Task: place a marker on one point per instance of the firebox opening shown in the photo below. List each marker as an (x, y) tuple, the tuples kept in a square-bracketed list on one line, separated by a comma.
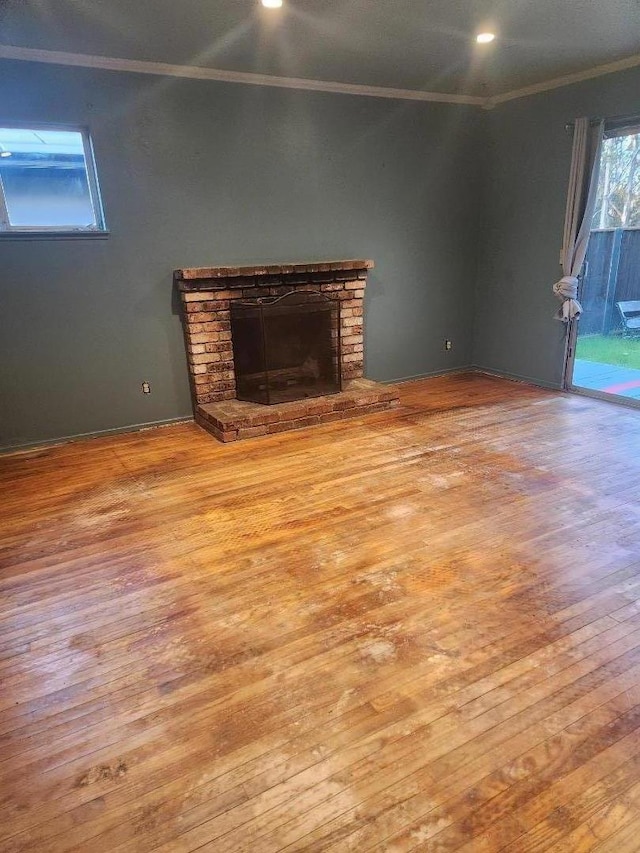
[(286, 348)]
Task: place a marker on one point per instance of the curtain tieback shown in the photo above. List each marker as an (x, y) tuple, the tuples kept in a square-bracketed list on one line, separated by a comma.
[(567, 287), (567, 290)]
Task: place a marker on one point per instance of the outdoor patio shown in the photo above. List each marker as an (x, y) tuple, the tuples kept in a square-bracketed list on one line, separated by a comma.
[(610, 378)]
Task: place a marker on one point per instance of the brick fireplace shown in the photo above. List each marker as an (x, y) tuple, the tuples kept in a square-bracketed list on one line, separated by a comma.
[(207, 293)]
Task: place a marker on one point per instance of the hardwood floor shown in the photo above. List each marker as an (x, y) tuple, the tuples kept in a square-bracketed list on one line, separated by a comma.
[(419, 630)]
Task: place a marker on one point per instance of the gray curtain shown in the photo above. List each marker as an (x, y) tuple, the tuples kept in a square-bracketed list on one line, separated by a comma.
[(581, 201)]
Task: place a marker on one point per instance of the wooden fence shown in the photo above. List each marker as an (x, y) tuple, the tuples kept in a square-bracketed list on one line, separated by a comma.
[(611, 274)]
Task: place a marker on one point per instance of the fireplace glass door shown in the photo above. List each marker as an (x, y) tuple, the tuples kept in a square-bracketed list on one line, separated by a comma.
[(286, 348)]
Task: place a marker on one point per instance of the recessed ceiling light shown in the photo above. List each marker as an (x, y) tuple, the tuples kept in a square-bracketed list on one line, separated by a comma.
[(482, 38), (272, 4)]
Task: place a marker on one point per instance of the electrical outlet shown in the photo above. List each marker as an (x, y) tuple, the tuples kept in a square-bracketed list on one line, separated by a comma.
[(448, 345), (146, 388)]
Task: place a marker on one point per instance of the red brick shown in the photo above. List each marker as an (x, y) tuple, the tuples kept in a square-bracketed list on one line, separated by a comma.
[(221, 367), (338, 415), (202, 360), (264, 415), (327, 404), (279, 426), (200, 317), (221, 305), (220, 382), (311, 420), (351, 372), (218, 346), (203, 382), (204, 300), (218, 326), (252, 432), (297, 423), (196, 296), (299, 280), (216, 396), (344, 403), (198, 338)]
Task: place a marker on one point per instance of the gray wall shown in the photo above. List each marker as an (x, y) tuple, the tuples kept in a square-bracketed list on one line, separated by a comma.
[(199, 173), (525, 175)]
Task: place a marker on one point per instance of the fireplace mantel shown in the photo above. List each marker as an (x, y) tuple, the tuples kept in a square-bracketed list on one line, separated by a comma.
[(198, 278)]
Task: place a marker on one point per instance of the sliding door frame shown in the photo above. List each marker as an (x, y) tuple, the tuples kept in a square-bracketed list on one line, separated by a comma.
[(613, 127)]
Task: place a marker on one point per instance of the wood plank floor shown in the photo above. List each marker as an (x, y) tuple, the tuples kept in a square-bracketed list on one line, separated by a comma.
[(413, 631)]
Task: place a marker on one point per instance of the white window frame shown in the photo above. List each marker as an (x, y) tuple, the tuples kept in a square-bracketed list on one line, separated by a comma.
[(97, 230)]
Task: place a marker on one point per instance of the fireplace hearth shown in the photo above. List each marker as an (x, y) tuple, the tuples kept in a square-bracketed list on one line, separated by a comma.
[(288, 335)]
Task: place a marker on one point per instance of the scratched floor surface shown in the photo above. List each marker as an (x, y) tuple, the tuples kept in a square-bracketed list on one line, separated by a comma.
[(413, 631)]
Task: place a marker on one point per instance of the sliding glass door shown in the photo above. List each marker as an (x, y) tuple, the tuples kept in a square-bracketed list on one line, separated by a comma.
[(604, 346)]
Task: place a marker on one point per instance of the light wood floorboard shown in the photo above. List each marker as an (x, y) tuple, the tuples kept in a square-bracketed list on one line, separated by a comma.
[(412, 631)]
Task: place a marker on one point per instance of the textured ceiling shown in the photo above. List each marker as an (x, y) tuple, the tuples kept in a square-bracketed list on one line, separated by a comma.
[(410, 44)]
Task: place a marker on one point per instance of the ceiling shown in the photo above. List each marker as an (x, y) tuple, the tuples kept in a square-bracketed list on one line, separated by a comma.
[(409, 44)]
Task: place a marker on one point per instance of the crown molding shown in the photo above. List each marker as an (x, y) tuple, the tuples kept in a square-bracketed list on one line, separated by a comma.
[(197, 72), (564, 80)]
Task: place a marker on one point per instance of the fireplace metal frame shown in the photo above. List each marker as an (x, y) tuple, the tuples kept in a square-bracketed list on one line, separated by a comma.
[(267, 301)]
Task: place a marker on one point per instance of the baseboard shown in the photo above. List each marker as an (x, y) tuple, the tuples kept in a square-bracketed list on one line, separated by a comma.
[(32, 446), (516, 377), (428, 375)]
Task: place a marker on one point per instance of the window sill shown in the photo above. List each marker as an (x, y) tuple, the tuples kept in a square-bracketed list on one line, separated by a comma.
[(54, 235)]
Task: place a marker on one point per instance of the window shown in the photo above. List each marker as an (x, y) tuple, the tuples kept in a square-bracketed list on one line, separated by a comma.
[(48, 182)]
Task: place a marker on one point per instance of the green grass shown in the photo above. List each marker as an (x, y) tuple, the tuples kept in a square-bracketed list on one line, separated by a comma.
[(610, 349)]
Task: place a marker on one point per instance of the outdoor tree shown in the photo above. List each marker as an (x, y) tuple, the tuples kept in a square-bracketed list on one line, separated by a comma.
[(618, 200)]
